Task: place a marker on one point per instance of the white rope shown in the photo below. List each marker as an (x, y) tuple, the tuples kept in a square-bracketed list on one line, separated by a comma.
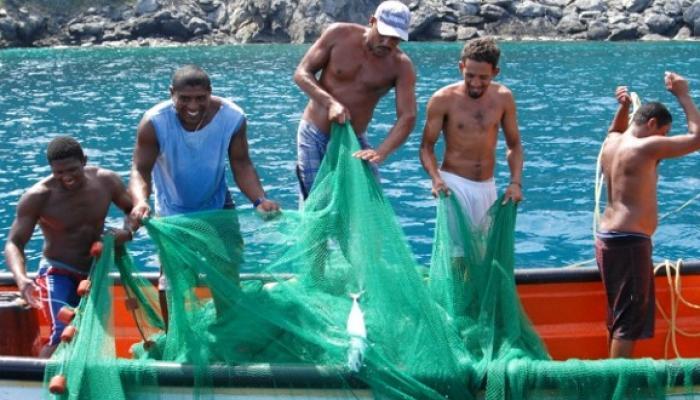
[(673, 277)]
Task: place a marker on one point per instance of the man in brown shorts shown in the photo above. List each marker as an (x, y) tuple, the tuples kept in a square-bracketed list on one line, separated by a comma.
[(629, 161)]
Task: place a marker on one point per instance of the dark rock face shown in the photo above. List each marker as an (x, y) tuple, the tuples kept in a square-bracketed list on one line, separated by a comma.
[(636, 6), (624, 32), (30, 28), (659, 23), (570, 24), (692, 13), (591, 5), (8, 29), (597, 30), (492, 12), (24, 23)]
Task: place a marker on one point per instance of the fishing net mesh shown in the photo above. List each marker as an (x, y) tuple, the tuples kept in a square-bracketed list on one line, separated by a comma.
[(337, 289)]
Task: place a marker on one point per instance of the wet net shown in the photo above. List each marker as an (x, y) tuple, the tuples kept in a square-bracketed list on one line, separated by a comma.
[(336, 301)]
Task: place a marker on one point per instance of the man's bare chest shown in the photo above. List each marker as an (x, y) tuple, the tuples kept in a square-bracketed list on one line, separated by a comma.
[(75, 211), (469, 119), (362, 73)]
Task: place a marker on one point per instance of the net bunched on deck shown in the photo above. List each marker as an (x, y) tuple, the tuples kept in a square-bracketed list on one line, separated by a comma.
[(344, 292)]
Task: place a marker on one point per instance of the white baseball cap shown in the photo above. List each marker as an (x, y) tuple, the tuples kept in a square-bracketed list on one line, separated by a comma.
[(393, 19)]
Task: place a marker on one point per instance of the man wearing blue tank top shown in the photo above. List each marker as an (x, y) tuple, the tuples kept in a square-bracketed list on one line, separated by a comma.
[(181, 147)]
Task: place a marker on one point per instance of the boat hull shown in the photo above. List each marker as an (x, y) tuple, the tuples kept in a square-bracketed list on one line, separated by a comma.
[(566, 306)]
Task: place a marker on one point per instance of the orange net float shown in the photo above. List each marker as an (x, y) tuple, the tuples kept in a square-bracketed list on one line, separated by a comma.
[(83, 287), (68, 333), (57, 384), (96, 249), (66, 314)]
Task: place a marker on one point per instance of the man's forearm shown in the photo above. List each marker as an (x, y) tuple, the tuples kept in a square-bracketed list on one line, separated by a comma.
[(14, 257), (139, 187), (691, 113), (514, 156), (398, 135), (621, 120), (248, 181), (429, 161), (308, 83)]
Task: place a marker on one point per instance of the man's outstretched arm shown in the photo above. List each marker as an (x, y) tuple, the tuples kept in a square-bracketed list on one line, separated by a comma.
[(405, 116), (621, 120), (145, 155), (20, 233), (661, 147), (431, 134), (244, 172), (514, 152)]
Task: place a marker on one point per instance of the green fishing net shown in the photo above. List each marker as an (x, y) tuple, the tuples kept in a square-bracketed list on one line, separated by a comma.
[(335, 288)]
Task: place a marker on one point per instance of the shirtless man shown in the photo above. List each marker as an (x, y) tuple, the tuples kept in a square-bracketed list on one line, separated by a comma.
[(70, 207), (470, 113), (631, 154), (358, 65)]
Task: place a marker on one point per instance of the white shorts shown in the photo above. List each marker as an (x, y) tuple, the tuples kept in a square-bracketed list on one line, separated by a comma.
[(475, 199)]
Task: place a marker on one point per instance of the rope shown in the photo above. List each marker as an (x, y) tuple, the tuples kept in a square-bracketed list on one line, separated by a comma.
[(686, 204), (673, 277), (598, 190)]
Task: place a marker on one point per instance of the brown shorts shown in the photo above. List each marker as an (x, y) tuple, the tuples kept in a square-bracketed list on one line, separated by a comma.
[(624, 261)]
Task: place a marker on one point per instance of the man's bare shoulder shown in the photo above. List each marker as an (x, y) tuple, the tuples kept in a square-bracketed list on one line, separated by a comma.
[(342, 31), (502, 90), (403, 59), (449, 92), (37, 195), (612, 142), (105, 177), (440, 102)]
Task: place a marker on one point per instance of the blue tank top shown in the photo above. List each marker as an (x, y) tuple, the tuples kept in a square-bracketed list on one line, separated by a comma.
[(189, 173)]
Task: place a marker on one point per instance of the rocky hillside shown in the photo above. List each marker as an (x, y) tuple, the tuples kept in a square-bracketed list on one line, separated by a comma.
[(144, 22)]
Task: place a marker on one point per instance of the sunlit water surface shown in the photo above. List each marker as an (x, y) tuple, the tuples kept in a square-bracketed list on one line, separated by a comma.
[(564, 94)]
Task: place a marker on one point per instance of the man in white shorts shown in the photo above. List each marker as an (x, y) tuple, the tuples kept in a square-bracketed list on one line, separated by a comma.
[(470, 113)]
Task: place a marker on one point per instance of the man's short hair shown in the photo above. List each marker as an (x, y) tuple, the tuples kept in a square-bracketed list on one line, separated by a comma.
[(651, 110), (63, 147), (190, 75), (481, 50)]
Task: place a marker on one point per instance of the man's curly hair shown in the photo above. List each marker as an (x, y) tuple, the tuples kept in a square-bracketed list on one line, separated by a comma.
[(482, 50), (63, 147)]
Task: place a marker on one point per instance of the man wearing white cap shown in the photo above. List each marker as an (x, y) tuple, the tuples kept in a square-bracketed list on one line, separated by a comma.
[(358, 66)]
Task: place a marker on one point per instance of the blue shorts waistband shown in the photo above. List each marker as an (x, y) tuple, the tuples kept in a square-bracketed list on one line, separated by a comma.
[(48, 262)]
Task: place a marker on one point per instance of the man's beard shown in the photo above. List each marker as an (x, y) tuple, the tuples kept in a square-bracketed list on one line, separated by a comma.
[(475, 94)]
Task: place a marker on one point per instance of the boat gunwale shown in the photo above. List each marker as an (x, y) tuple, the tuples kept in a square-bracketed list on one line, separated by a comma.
[(258, 375), (295, 376), (523, 276)]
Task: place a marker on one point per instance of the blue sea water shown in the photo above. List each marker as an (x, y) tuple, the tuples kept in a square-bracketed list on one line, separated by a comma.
[(564, 94)]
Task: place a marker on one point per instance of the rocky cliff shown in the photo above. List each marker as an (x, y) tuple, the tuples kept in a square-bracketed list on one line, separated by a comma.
[(144, 22)]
